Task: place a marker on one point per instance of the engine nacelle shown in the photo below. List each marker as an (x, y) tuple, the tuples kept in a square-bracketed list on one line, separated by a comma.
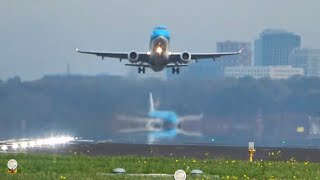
[(185, 57), (133, 57)]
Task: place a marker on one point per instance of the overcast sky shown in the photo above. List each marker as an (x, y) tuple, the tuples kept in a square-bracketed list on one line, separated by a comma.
[(38, 37)]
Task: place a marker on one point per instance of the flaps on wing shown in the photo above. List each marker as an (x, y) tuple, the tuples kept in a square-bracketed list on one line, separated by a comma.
[(176, 65), (176, 57), (141, 56), (138, 65), (212, 55), (120, 55)]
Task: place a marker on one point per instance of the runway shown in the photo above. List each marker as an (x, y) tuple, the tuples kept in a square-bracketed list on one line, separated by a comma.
[(178, 151)]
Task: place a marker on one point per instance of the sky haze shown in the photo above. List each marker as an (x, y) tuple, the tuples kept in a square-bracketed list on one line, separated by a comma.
[(39, 37)]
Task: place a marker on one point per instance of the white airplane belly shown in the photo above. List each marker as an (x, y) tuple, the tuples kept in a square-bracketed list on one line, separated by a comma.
[(159, 51)]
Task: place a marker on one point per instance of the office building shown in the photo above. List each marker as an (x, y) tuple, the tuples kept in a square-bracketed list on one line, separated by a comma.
[(308, 59), (273, 47)]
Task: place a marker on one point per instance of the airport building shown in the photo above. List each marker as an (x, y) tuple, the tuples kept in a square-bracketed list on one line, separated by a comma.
[(308, 59), (273, 47), (258, 72)]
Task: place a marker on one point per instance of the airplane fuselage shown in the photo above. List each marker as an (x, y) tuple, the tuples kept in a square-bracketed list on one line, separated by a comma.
[(159, 55), (159, 49), (164, 120)]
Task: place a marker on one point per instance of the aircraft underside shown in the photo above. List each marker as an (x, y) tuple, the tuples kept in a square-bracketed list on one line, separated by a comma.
[(157, 68), (159, 56)]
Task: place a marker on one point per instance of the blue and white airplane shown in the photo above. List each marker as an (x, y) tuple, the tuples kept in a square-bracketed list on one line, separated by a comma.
[(161, 124), (159, 56)]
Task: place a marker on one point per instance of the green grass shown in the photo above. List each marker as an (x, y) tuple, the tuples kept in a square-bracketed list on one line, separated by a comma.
[(35, 166)]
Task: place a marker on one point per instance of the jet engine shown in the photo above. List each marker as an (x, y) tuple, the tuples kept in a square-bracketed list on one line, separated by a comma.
[(185, 57), (133, 57)]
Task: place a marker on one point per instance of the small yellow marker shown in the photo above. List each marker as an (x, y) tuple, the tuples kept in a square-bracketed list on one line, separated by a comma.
[(300, 129), (251, 151), (12, 166)]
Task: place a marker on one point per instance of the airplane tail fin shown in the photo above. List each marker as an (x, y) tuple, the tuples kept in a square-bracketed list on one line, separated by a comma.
[(151, 108)]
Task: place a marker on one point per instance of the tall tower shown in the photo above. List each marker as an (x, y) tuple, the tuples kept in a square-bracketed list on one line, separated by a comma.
[(274, 46)]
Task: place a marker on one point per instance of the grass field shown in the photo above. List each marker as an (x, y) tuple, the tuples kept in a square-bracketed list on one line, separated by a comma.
[(35, 166)]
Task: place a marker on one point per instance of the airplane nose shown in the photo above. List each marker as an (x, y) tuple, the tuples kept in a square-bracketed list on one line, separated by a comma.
[(159, 50)]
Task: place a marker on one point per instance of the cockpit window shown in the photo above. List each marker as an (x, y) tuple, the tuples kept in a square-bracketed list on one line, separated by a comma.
[(161, 27)]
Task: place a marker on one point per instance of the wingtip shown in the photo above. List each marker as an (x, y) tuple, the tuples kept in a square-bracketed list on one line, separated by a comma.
[(240, 51), (77, 50)]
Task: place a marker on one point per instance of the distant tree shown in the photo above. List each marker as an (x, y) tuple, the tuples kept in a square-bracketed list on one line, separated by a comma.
[(91, 104)]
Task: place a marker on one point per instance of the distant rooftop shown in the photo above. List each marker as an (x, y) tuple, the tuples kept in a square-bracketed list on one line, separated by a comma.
[(275, 31)]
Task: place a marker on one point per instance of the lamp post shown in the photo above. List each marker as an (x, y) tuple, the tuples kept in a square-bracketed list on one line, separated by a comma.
[(251, 151)]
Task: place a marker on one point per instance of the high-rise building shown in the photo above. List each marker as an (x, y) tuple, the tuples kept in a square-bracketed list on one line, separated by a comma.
[(273, 47), (308, 59)]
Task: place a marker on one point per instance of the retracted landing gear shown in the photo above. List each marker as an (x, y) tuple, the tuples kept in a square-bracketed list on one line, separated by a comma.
[(175, 70), (141, 69)]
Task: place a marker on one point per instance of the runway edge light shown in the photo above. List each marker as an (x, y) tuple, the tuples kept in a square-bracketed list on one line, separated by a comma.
[(180, 175), (12, 166), (251, 151), (196, 172), (119, 171)]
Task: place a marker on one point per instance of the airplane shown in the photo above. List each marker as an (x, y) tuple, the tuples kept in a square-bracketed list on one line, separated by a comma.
[(159, 56), (161, 124)]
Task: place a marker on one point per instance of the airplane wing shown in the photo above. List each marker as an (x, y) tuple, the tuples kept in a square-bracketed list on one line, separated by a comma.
[(197, 56), (179, 131), (119, 55), (176, 57), (138, 65), (134, 130), (191, 118), (133, 119)]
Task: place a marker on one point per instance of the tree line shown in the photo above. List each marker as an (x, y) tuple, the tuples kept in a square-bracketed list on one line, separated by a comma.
[(87, 104)]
